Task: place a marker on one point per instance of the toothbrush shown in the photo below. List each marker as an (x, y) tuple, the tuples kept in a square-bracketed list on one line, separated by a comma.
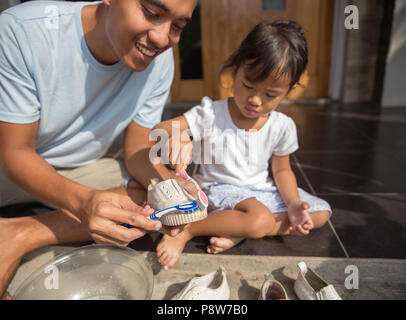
[(201, 196), (185, 208)]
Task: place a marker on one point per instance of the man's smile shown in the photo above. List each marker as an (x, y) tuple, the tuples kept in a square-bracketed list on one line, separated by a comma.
[(147, 52)]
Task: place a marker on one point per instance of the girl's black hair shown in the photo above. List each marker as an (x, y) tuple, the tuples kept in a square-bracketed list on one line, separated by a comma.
[(279, 47)]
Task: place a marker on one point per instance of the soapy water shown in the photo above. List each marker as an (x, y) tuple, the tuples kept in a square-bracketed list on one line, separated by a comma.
[(108, 287), (103, 298), (103, 273)]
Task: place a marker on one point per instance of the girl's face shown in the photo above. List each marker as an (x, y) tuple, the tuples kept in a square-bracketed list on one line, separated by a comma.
[(258, 99), (139, 30)]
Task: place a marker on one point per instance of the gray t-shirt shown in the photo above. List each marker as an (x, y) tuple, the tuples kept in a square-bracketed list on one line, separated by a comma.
[(47, 73)]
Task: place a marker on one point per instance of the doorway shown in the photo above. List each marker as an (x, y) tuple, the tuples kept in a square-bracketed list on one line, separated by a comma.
[(218, 27)]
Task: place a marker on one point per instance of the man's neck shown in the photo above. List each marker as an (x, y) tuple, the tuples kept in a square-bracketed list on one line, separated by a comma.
[(93, 17)]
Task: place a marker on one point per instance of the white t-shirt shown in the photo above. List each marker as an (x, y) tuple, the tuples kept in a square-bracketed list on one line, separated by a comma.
[(232, 155)]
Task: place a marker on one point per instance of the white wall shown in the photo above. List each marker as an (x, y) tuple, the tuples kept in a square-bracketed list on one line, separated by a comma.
[(338, 51), (394, 93)]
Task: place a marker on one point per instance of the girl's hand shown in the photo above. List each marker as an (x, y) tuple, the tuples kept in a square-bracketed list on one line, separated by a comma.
[(180, 152), (299, 217)]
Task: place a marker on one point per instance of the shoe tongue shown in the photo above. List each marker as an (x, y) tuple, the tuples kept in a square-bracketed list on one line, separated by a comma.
[(188, 195)]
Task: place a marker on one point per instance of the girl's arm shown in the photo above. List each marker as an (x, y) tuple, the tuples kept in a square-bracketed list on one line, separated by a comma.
[(168, 125), (285, 179), (177, 141)]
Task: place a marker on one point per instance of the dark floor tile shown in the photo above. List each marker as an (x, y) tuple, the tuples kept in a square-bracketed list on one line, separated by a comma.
[(356, 171), (371, 226), (170, 113), (389, 136), (320, 243), (304, 109), (22, 210), (323, 133), (318, 130)]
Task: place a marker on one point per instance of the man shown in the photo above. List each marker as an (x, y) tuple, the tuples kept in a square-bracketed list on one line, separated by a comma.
[(73, 77)]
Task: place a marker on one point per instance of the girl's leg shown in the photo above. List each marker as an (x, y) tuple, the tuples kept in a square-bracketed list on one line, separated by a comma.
[(220, 244), (282, 222), (282, 226), (19, 236), (249, 219)]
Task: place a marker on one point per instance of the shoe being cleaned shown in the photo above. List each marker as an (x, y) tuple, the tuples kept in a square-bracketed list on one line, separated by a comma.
[(173, 204)]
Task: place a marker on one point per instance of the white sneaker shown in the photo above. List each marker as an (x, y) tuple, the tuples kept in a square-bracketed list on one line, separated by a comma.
[(310, 286), (213, 286), (169, 194)]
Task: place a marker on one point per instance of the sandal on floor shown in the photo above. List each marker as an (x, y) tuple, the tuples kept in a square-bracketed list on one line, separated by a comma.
[(272, 290)]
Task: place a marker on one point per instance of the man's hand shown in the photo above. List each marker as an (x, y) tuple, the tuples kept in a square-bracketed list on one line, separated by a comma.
[(104, 212)]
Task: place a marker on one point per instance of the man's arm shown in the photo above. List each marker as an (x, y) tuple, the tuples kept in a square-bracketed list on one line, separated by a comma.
[(99, 211), (20, 162)]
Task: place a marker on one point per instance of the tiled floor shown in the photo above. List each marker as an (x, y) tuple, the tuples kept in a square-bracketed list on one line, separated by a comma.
[(352, 156)]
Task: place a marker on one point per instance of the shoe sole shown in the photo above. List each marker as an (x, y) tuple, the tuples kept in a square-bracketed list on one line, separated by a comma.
[(178, 219)]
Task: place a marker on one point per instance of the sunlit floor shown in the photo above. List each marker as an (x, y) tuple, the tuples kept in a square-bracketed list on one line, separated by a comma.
[(351, 156)]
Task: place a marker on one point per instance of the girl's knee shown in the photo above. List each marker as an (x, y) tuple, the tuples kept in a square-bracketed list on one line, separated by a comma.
[(320, 218), (260, 224)]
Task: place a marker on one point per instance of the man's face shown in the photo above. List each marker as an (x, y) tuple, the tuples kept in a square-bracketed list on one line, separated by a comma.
[(139, 30)]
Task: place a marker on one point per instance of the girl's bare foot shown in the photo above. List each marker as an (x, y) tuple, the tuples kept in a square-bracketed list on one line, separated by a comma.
[(220, 244), (170, 248), (7, 296), (300, 220)]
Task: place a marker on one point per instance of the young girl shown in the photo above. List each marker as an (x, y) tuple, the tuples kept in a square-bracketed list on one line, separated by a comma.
[(241, 136)]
